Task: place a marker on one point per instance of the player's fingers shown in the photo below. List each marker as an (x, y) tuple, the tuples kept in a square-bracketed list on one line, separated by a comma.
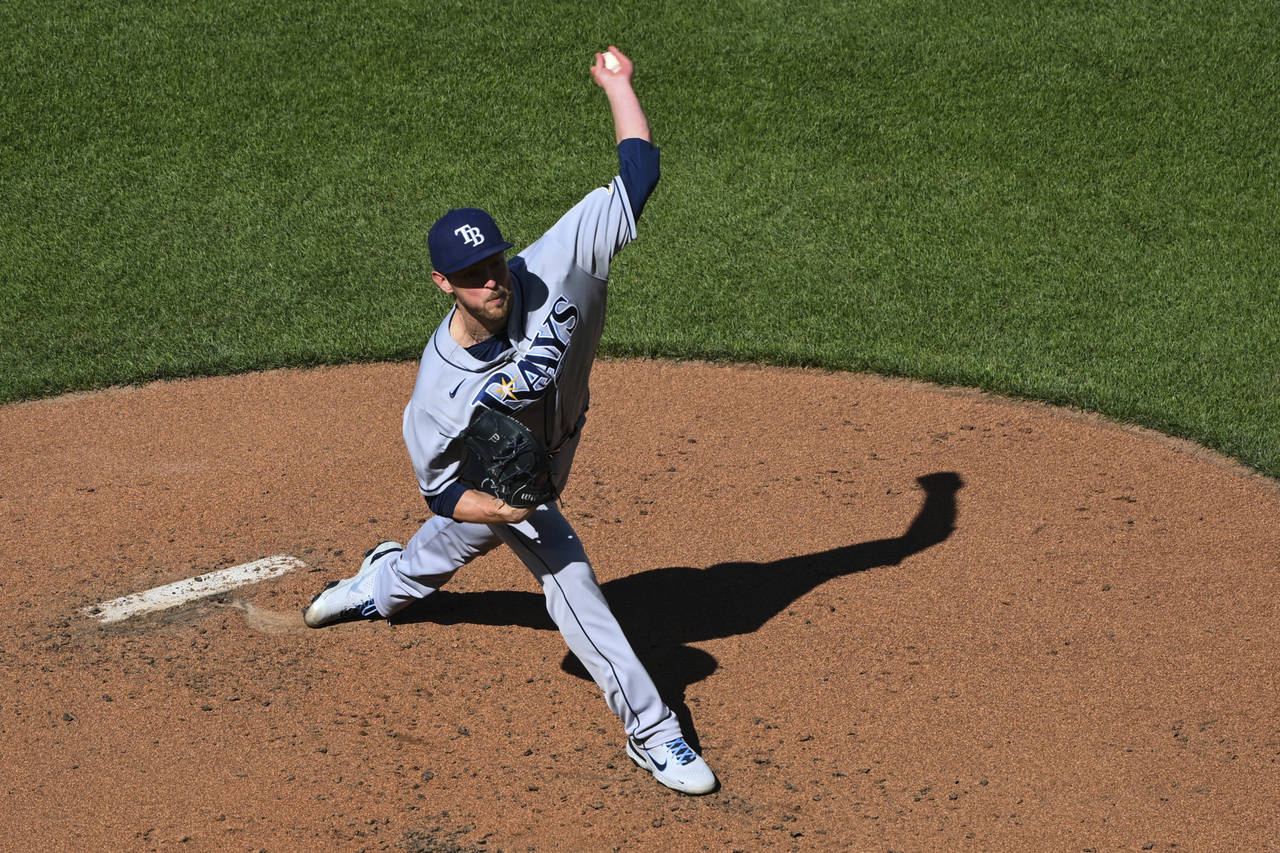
[(614, 65)]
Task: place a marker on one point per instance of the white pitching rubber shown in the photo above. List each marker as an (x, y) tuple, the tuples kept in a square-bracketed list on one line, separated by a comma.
[(200, 586)]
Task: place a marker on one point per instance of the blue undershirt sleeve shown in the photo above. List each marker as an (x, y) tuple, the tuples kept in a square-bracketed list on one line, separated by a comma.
[(638, 168), (447, 501)]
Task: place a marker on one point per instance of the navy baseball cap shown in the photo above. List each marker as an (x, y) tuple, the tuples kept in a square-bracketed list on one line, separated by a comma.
[(462, 237)]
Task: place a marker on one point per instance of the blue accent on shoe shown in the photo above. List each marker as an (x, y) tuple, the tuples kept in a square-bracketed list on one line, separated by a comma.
[(640, 750), (682, 752), (380, 554)]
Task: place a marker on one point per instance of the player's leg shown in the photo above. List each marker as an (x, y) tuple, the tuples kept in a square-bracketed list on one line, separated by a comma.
[(548, 545), (393, 576), (428, 561)]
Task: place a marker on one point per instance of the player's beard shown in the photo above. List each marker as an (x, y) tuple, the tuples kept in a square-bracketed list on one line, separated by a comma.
[(496, 308), (489, 313)]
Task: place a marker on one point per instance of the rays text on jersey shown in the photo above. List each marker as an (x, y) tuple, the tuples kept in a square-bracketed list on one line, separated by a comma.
[(530, 374)]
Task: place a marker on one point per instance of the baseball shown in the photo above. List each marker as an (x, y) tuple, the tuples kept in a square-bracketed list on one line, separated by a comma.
[(610, 61)]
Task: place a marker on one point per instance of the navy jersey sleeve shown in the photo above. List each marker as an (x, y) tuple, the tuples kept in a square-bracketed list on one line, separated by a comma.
[(638, 168)]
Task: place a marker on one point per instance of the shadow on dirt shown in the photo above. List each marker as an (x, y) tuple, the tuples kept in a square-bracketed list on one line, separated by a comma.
[(662, 610)]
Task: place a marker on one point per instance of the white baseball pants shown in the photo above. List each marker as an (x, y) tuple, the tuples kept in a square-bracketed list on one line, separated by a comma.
[(549, 547)]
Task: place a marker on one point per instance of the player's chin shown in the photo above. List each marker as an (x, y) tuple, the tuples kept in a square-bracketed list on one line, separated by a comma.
[(497, 309)]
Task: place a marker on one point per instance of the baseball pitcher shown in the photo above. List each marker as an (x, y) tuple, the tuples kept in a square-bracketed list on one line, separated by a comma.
[(494, 421)]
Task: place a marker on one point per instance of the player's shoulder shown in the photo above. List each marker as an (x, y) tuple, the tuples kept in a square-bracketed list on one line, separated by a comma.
[(442, 398)]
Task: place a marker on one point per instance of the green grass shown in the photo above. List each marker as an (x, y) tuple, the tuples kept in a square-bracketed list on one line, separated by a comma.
[(1074, 202)]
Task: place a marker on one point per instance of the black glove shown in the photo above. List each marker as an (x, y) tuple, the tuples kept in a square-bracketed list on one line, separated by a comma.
[(514, 466)]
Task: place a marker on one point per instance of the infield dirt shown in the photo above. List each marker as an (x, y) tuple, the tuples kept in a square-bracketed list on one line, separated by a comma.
[(894, 616)]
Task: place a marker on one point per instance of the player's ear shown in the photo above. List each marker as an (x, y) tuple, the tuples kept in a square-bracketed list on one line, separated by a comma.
[(442, 282)]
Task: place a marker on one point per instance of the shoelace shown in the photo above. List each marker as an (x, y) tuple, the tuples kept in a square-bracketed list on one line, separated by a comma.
[(681, 752)]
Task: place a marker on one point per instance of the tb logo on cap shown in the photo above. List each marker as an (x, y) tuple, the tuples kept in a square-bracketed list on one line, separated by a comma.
[(462, 237), (470, 234)]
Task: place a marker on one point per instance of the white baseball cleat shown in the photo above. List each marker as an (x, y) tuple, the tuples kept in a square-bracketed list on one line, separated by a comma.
[(675, 765), (345, 600)]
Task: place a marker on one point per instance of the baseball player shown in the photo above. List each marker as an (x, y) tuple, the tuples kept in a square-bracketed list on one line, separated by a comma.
[(520, 340)]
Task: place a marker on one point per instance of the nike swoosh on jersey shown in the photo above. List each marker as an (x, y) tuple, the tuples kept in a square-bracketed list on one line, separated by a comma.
[(455, 389)]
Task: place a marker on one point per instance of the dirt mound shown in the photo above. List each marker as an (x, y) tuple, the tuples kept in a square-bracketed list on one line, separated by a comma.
[(894, 616)]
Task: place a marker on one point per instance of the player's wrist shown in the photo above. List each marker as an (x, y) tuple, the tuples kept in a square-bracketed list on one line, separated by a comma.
[(505, 512)]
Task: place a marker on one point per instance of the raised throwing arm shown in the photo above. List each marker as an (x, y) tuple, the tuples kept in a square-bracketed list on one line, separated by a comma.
[(628, 117)]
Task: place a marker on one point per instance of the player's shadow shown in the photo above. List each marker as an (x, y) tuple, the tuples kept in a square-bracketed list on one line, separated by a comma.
[(661, 610)]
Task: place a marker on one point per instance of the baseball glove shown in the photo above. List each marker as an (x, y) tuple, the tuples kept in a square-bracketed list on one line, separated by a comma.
[(514, 466)]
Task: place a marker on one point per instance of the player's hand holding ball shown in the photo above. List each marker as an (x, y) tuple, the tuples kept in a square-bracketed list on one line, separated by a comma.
[(610, 66)]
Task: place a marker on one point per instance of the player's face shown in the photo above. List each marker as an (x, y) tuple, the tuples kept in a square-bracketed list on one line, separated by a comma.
[(483, 289)]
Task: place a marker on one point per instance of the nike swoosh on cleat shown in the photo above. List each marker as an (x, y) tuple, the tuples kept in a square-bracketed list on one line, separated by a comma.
[(662, 766)]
